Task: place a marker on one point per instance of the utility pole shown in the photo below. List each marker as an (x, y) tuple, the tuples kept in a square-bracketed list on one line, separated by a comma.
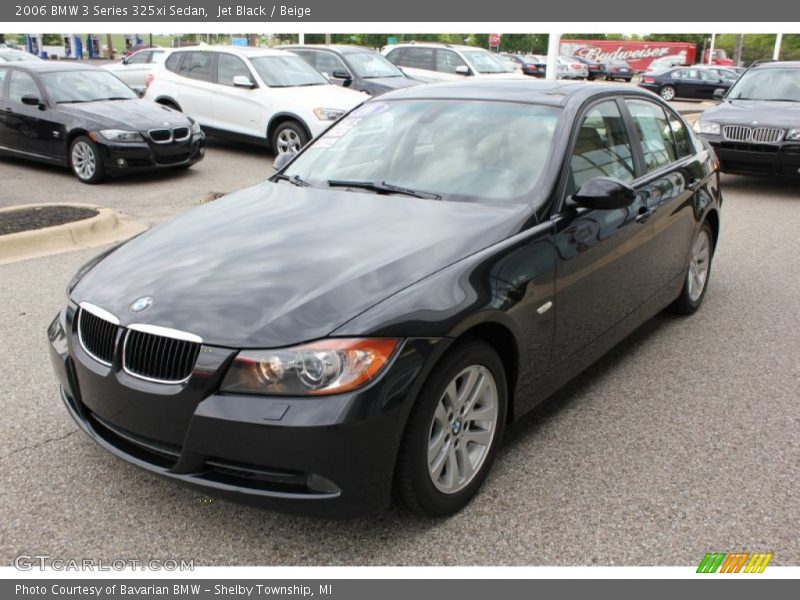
[(553, 44), (737, 53), (110, 44), (776, 54), (327, 39)]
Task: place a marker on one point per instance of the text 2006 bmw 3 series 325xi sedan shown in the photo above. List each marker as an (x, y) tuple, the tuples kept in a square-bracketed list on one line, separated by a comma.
[(371, 318)]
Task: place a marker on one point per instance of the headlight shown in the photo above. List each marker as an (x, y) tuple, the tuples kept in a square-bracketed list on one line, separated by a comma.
[(196, 128), (707, 127), (328, 114), (121, 135), (328, 366), (793, 135)]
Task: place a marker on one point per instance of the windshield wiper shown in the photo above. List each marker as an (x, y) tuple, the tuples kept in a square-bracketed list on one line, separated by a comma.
[(293, 179), (381, 187), (116, 98)]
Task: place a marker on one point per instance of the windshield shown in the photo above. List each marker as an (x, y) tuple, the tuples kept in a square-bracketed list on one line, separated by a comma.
[(287, 71), (370, 65), (85, 86), (483, 62), (459, 150), (767, 84)]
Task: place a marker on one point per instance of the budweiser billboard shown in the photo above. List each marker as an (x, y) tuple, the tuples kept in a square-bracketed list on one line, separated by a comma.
[(638, 55)]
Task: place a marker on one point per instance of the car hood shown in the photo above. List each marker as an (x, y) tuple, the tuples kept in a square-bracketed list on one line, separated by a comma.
[(137, 114), (320, 96), (392, 83), (745, 112), (275, 265)]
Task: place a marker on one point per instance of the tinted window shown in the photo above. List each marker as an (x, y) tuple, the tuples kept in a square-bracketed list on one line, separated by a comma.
[(654, 132), (139, 58), (447, 61), (418, 58), (197, 66), (679, 74), (710, 75), (173, 63), (682, 140), (228, 67), (328, 63), (602, 148), (21, 84), (396, 56)]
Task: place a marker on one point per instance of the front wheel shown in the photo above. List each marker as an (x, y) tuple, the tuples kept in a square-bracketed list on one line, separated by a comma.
[(667, 92), (696, 282), (453, 432), (288, 138), (85, 160)]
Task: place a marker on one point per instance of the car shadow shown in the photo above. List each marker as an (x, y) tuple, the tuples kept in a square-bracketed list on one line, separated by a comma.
[(776, 188)]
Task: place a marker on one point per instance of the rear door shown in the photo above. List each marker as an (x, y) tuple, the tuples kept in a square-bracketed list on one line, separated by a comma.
[(417, 61), (672, 175), (604, 257), (195, 88), (236, 109)]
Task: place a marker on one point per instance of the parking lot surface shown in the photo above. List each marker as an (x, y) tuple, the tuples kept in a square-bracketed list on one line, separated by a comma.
[(684, 439)]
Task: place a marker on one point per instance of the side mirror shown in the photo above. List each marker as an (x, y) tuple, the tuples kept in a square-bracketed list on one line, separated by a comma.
[(603, 193), (124, 61), (282, 160), (463, 70), (140, 91), (243, 81), (31, 100), (341, 74), (719, 93)]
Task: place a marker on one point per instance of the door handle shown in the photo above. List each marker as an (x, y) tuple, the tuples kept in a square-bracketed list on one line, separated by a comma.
[(644, 214)]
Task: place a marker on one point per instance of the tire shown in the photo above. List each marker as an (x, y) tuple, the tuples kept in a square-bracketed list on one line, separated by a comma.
[(437, 484), (695, 283), (667, 93), (85, 160), (288, 138)]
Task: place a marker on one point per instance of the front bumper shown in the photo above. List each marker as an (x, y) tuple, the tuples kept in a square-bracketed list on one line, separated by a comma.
[(328, 456), (744, 158), (119, 159)]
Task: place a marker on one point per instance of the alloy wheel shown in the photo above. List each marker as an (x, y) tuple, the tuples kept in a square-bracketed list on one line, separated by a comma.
[(463, 428), (289, 142), (84, 162), (699, 265), (668, 93)]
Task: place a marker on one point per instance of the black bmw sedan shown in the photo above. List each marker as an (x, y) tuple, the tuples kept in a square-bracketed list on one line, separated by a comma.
[(756, 128), (370, 319), (699, 82), (86, 118)]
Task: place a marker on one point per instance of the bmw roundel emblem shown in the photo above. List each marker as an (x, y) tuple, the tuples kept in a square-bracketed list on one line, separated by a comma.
[(141, 304)]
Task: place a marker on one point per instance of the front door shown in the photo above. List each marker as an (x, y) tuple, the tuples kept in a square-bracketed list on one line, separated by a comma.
[(30, 130)]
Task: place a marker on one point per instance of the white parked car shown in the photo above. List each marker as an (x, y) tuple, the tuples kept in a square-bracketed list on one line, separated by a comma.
[(134, 69), (256, 94), (447, 62), (569, 68)]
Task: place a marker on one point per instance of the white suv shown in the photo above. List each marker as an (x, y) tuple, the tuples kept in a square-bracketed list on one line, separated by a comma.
[(255, 94), (447, 62)]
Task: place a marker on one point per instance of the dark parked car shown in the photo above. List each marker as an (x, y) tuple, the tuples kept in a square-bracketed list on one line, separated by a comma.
[(85, 118), (597, 70), (618, 69), (688, 82), (530, 64), (435, 264), (756, 128), (356, 67)]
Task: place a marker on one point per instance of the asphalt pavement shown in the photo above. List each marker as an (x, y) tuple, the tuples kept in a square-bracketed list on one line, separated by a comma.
[(685, 439)]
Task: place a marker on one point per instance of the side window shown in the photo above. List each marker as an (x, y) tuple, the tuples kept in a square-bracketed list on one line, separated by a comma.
[(306, 55), (157, 56), (682, 139), (679, 74), (3, 82), (197, 66), (396, 56), (228, 67), (173, 63), (692, 74), (710, 75), (327, 63), (447, 61), (21, 84), (602, 148), (419, 58), (654, 132), (139, 58)]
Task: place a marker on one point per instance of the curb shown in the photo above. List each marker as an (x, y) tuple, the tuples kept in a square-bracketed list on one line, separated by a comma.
[(106, 227)]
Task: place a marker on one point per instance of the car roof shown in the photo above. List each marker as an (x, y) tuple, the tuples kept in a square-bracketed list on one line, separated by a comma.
[(778, 64), (338, 48), (246, 51), (529, 91), (436, 45), (48, 66)]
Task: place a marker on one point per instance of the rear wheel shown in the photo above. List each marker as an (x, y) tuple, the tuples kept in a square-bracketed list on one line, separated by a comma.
[(696, 282), (667, 92), (85, 160), (453, 432), (288, 138)]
